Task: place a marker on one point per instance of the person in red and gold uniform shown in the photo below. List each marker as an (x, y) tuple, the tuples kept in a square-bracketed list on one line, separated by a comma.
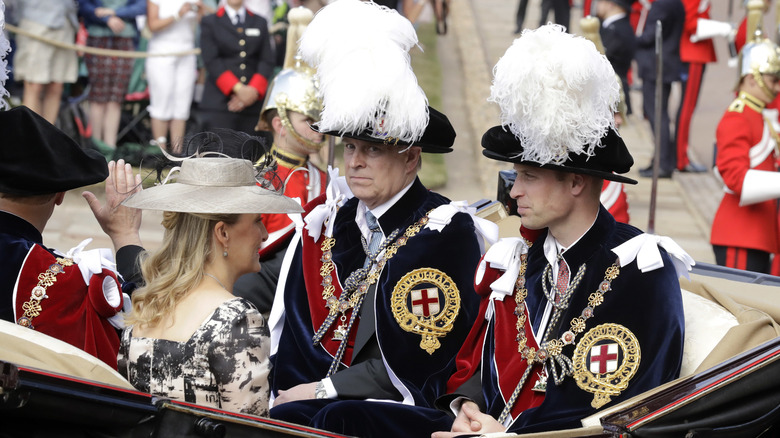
[(291, 107), (289, 110), (745, 228)]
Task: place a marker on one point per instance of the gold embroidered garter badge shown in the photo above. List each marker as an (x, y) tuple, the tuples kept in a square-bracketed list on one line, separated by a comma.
[(426, 301), (605, 359)]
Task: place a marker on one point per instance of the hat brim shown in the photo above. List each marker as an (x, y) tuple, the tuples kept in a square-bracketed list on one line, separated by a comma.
[(500, 144), (438, 138), (188, 198)]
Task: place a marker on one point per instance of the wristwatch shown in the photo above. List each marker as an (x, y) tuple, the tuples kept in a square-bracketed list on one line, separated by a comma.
[(319, 390)]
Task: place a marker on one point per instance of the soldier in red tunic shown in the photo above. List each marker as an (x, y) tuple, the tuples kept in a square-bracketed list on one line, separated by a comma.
[(290, 108), (745, 228)]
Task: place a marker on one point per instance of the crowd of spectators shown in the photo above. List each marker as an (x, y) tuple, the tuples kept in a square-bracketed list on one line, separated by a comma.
[(45, 68)]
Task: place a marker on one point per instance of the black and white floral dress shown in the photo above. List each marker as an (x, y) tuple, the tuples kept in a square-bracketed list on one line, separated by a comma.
[(224, 364)]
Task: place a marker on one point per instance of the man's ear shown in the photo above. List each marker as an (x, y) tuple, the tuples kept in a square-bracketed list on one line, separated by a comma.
[(58, 198), (276, 124), (413, 157), (578, 183)]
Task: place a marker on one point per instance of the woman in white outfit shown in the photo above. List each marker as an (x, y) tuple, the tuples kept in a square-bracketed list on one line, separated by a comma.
[(171, 78)]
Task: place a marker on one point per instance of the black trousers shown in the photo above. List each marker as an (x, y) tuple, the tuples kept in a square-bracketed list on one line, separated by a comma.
[(668, 150), (562, 11), (742, 258), (362, 418)]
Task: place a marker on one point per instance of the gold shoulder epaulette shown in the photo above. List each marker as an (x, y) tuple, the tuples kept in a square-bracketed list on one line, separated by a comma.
[(737, 106), (746, 100)]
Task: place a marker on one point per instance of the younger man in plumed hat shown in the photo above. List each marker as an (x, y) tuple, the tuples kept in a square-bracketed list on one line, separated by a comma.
[(571, 321), (376, 295), (68, 296)]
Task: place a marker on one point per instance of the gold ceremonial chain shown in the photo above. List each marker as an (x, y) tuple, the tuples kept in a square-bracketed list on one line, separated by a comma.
[(337, 305), (355, 298), (552, 349), (32, 308)]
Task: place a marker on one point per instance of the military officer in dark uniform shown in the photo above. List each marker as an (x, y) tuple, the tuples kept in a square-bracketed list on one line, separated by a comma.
[(375, 293), (236, 50), (671, 13), (68, 296), (618, 39)]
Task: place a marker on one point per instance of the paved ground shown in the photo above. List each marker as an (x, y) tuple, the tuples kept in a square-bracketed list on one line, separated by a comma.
[(480, 32)]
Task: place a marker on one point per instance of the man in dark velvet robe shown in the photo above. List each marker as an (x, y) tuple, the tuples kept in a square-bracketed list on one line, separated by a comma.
[(571, 320), (43, 289), (376, 291)]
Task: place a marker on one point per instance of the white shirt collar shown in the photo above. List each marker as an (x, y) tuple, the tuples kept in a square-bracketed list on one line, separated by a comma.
[(232, 13), (552, 247), (377, 211), (609, 20)]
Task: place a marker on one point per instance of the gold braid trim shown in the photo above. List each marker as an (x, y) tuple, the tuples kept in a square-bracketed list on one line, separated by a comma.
[(32, 308)]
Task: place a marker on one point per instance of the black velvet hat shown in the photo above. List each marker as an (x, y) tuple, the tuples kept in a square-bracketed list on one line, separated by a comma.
[(438, 138), (557, 112), (369, 91), (36, 158), (609, 158)]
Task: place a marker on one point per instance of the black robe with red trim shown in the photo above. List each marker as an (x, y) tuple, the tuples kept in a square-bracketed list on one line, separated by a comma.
[(648, 304), (419, 377)]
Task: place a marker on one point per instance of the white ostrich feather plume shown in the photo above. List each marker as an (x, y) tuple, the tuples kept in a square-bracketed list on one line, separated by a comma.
[(557, 94), (361, 54), (5, 47)]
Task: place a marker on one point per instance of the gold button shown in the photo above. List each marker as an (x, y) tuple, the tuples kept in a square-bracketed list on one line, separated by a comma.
[(243, 79), (241, 42), (243, 66), (242, 54)]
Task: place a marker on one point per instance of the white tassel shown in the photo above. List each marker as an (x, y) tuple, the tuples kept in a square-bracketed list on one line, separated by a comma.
[(556, 92), (361, 54)]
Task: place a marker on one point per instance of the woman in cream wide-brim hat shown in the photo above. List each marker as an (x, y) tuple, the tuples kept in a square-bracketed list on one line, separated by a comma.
[(190, 338)]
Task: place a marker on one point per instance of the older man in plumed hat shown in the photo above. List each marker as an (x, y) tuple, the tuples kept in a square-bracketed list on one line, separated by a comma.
[(376, 291), (572, 321), (69, 296)]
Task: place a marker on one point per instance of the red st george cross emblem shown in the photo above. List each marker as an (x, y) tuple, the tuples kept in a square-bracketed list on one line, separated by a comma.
[(603, 358), (425, 302)]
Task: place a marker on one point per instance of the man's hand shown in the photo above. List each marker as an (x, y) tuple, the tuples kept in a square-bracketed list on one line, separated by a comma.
[(248, 95), (304, 391), (103, 12), (115, 24), (120, 223), (471, 421), (235, 105)]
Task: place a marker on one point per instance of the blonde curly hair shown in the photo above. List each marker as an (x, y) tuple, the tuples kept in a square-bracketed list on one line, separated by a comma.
[(176, 267)]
